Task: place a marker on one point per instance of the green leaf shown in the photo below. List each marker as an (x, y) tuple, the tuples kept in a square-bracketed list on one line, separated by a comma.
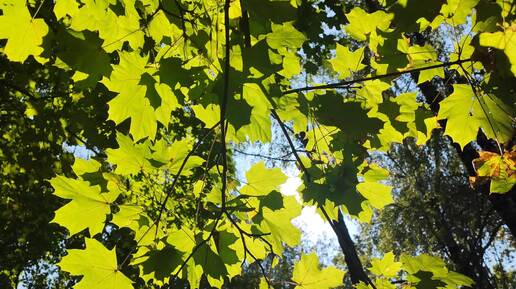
[(361, 23), (285, 35), (209, 115), (307, 274), (409, 13), (506, 6), (291, 65), (160, 27), (128, 216), (87, 209), (23, 33), (428, 272), (346, 61), (182, 239), (378, 194), (254, 96), (425, 280), (331, 110), (161, 264), (243, 117), (457, 279), (273, 11), (97, 266), (212, 264), (372, 91), (279, 224), (65, 7), (82, 51), (235, 10), (467, 112), (82, 166), (113, 29), (504, 40), (127, 73), (259, 129), (339, 187), (424, 56), (458, 10), (424, 262), (379, 283), (173, 155), (129, 158), (263, 284), (262, 180), (386, 266), (168, 104), (131, 102)]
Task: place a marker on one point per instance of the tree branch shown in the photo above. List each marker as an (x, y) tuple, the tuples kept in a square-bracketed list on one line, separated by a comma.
[(346, 83), (169, 193), (281, 158), (339, 227), (176, 177), (244, 24), (223, 105), (291, 144)]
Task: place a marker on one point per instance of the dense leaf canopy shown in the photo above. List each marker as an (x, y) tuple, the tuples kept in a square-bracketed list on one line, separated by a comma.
[(162, 91)]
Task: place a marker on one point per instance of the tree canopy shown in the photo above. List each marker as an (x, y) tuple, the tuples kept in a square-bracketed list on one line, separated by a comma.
[(455, 221), (162, 92)]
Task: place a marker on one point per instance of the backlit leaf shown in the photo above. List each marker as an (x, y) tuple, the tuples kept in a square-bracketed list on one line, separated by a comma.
[(95, 274), (307, 274), (24, 34)]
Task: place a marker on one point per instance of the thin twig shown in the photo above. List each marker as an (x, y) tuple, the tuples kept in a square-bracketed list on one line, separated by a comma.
[(169, 193), (176, 177), (291, 144), (346, 83), (223, 141), (308, 179), (475, 92), (281, 158), (195, 250)]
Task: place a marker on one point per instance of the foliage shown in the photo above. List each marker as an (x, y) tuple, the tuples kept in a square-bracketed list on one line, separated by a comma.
[(500, 169), (423, 271), (99, 275), (455, 221), (164, 89), (307, 274)]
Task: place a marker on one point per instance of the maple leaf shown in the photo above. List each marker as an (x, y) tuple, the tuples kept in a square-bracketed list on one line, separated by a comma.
[(87, 209), (307, 274), (97, 265), (262, 181), (500, 169), (23, 33)]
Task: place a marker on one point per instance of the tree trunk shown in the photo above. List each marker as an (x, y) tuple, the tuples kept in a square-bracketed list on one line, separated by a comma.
[(355, 268)]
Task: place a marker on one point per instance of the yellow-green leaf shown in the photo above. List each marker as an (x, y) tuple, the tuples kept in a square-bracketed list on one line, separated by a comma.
[(307, 274), (504, 40), (262, 180), (23, 32), (87, 209), (386, 266), (346, 61), (97, 265)]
